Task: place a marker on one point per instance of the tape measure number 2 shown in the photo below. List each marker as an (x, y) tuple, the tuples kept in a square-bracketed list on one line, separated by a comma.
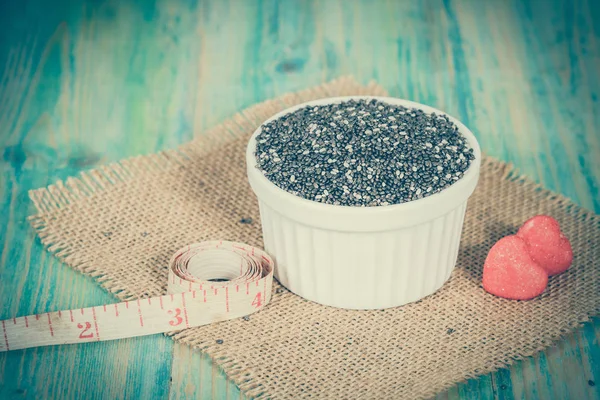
[(207, 282)]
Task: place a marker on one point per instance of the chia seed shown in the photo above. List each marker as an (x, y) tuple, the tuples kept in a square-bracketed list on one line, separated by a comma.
[(361, 159)]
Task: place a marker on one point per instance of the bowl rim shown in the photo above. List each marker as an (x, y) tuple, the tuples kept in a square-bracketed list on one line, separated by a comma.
[(462, 188)]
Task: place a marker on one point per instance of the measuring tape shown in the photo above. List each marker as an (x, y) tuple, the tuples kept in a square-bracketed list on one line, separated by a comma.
[(208, 282)]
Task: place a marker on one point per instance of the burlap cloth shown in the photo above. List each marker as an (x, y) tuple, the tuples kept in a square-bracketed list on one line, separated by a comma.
[(121, 223)]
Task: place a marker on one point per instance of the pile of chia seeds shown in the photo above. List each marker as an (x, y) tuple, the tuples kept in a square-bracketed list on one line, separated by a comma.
[(362, 153)]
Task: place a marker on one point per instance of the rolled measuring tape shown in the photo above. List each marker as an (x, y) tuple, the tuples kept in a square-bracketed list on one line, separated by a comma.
[(208, 282)]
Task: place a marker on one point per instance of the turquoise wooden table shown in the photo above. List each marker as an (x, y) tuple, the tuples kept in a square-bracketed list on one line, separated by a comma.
[(86, 82)]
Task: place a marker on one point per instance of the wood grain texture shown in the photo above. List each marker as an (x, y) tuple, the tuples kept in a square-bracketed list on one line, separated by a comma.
[(85, 82)]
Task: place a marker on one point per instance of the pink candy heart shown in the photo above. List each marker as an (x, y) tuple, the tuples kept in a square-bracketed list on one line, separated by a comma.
[(510, 272), (517, 266), (547, 244)]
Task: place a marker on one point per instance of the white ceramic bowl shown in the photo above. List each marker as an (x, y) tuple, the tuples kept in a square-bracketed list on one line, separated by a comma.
[(363, 257)]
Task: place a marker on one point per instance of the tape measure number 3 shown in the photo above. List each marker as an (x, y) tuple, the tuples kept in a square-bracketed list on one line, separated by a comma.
[(207, 282)]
